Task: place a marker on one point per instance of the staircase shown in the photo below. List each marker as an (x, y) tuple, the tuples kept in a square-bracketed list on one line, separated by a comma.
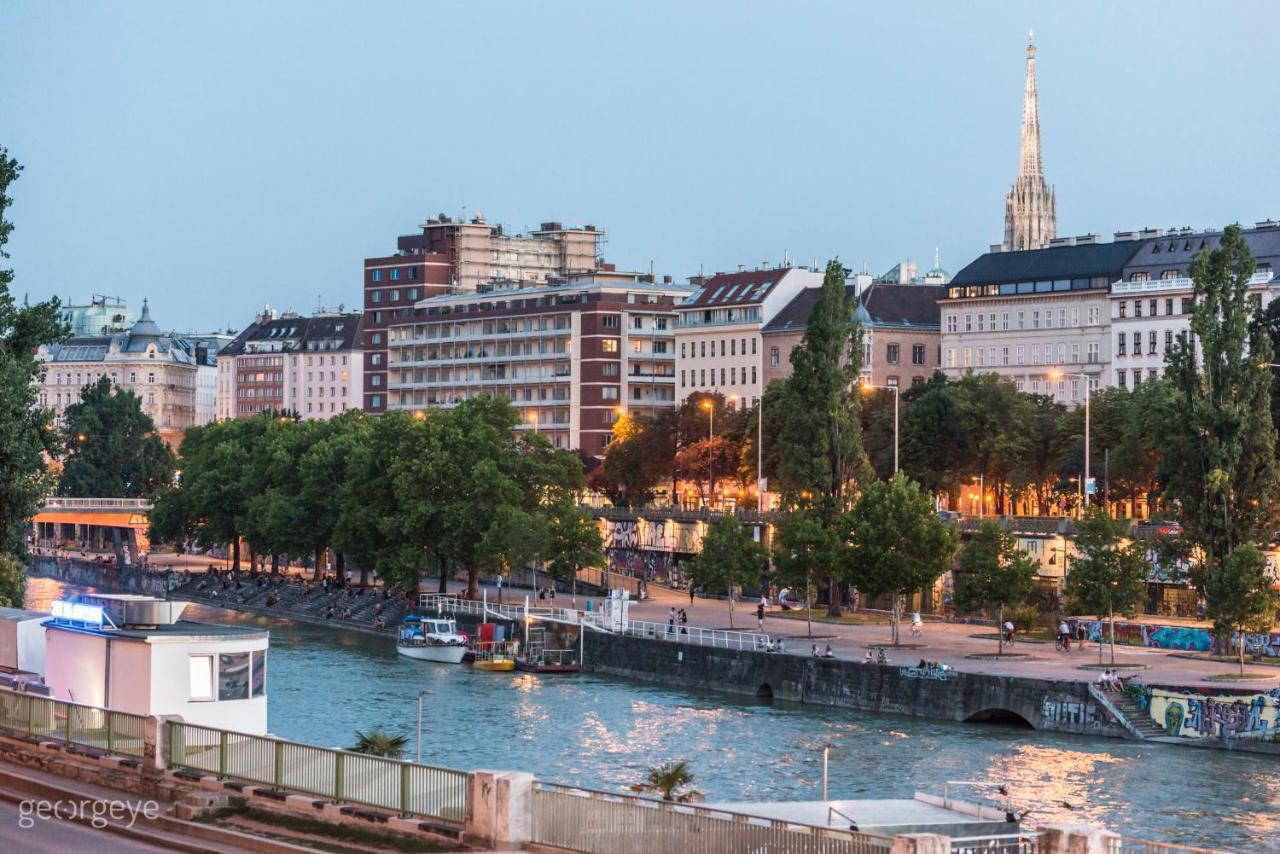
[(1128, 713)]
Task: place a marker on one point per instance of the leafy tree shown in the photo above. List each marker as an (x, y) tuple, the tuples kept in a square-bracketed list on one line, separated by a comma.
[(994, 416), (932, 440), (630, 469), (806, 552), (514, 538), (27, 436), (376, 742), (13, 582), (1108, 574), (667, 780), (1036, 468), (1218, 453), (730, 558), (716, 458), (573, 541), (899, 545), (113, 448), (994, 572), (1242, 596)]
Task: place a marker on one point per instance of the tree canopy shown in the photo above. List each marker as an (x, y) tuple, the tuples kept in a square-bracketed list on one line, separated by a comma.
[(113, 449)]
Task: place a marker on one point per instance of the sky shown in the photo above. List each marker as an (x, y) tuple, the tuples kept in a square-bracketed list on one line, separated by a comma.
[(222, 156)]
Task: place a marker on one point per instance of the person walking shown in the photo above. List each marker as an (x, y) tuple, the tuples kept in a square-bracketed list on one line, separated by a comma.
[(760, 615), (684, 622), (671, 621)]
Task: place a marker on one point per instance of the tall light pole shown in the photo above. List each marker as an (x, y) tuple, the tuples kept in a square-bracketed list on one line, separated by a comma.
[(533, 419), (867, 387), (710, 406), (1084, 484), (759, 449)]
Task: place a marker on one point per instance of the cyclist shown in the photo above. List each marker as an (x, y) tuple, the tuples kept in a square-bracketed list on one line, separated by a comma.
[(1064, 636)]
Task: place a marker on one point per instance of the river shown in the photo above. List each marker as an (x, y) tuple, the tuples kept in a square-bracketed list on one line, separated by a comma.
[(600, 732)]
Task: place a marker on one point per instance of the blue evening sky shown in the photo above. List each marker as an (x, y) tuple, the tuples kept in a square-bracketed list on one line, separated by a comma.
[(222, 155)]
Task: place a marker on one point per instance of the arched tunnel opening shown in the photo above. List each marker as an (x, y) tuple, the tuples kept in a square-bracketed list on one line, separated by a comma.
[(1003, 717), (764, 692)]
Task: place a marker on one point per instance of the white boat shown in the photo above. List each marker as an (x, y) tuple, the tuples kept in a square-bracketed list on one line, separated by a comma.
[(430, 639)]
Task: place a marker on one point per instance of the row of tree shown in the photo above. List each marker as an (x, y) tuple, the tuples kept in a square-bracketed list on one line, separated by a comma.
[(455, 491)]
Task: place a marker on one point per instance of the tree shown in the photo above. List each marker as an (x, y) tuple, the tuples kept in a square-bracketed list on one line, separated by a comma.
[(1108, 574), (513, 539), (993, 572), (668, 779), (705, 459), (730, 558), (1036, 468), (994, 416), (13, 582), (630, 469), (899, 545), (573, 541), (806, 552), (375, 742), (932, 440), (1242, 596), (113, 449), (27, 437), (1218, 453)]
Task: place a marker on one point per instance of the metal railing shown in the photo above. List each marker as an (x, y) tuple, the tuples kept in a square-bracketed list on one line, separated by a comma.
[(1127, 845), (1012, 843), (406, 787), (719, 638), (591, 821), (443, 604), (73, 723), (140, 505)]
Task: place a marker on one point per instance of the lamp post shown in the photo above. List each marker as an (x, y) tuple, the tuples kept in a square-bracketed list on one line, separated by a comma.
[(1084, 489), (533, 419), (710, 406), (867, 387), (421, 694), (759, 450)]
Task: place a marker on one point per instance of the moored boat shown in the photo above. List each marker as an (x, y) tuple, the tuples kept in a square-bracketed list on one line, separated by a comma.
[(431, 639), (548, 661), (494, 655)]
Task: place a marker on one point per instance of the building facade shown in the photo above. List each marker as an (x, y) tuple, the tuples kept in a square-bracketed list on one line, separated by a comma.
[(461, 256), (571, 355), (900, 332), (1030, 209), (311, 366), (103, 315), (720, 331), (1038, 318), (1151, 302), (159, 367)]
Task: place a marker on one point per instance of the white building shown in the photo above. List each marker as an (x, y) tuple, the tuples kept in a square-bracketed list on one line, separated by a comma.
[(1150, 304), (718, 335), (133, 654)]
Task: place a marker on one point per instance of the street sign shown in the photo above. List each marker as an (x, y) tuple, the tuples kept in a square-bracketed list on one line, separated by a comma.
[(1090, 486)]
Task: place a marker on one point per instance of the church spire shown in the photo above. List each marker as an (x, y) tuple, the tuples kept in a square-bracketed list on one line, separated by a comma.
[(1030, 210)]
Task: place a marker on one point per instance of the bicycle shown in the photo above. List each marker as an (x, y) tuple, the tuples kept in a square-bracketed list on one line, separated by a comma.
[(1062, 643)]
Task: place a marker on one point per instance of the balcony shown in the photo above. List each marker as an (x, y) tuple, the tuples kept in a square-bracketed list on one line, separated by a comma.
[(1182, 283)]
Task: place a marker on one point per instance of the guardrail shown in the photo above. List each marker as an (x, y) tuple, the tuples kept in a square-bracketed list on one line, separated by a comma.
[(676, 633), (595, 822), (443, 604), (406, 787), (1127, 845), (1012, 843), (140, 505), (73, 723)]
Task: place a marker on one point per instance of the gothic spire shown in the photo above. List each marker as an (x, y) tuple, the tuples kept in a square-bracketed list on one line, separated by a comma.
[(1030, 165), (1030, 210)]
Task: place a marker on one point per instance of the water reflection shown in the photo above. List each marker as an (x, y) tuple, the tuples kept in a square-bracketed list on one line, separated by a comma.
[(599, 732)]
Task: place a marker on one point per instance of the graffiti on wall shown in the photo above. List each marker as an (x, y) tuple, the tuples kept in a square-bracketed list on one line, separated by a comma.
[(1069, 711), (650, 565), (1189, 638), (652, 535), (941, 674), (1188, 713)]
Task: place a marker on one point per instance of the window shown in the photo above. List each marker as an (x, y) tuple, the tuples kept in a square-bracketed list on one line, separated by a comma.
[(1020, 319), (1075, 352), (733, 347), (1168, 339), (610, 321), (635, 346), (683, 355), (891, 354), (917, 354), (375, 401), (968, 357), (375, 380), (1035, 354), (981, 357), (981, 320), (753, 374), (200, 669), (951, 357), (968, 323), (609, 392), (774, 357), (1004, 320), (1048, 318), (1151, 341), (233, 676), (376, 296), (1075, 317), (1093, 351), (1168, 305), (733, 376), (1004, 355), (704, 349), (682, 382), (395, 295), (951, 323), (992, 324), (637, 322), (1022, 354), (1062, 353), (1093, 315), (1122, 309), (1151, 308), (1035, 320), (377, 277), (1137, 343), (609, 345), (1186, 304), (376, 338), (1137, 308), (722, 382), (611, 369)]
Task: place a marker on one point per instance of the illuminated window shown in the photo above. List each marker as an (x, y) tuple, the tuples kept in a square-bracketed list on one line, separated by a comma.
[(201, 677)]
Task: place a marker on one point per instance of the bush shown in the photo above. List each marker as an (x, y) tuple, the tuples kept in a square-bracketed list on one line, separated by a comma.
[(1023, 617)]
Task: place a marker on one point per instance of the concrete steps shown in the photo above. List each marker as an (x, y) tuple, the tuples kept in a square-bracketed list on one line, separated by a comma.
[(1139, 719)]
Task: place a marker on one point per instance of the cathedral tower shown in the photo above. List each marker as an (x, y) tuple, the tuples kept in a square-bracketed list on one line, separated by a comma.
[(1030, 213)]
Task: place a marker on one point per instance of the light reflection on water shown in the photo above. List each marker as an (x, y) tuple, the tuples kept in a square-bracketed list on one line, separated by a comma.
[(604, 733)]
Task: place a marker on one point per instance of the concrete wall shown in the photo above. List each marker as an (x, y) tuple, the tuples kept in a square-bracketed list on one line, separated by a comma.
[(947, 695)]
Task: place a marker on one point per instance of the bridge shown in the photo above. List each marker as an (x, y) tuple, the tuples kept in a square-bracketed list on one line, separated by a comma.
[(96, 524)]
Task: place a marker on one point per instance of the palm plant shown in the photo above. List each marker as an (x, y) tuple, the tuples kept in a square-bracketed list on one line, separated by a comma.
[(375, 742), (667, 779)]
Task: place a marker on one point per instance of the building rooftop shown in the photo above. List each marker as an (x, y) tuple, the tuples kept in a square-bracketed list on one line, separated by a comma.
[(1179, 248), (743, 288), (294, 334), (880, 305), (140, 338), (1052, 262), (19, 615), (181, 631), (573, 285)]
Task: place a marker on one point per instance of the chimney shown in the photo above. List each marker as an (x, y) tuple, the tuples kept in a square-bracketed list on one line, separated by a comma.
[(742, 268)]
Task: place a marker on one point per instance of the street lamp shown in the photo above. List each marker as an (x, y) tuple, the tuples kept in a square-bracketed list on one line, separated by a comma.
[(421, 694), (759, 451), (868, 387), (1054, 375), (533, 419), (708, 405)]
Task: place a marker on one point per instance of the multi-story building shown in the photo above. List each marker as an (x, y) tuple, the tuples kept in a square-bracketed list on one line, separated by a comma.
[(207, 346), (308, 365), (719, 334), (1152, 300), (159, 367), (102, 316), (571, 355), (461, 256), (1036, 317), (899, 324)]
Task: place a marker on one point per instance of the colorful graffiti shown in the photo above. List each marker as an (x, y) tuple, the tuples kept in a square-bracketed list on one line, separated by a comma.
[(938, 673), (1070, 711), (650, 535), (1188, 638), (1191, 713)]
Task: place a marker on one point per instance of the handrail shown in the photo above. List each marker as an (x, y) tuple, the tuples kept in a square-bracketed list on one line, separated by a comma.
[(676, 633), (55, 502)]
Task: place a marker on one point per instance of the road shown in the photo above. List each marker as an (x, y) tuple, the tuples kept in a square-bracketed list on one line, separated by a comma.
[(60, 836)]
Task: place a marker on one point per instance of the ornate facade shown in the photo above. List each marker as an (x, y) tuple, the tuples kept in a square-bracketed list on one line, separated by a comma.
[(1030, 212)]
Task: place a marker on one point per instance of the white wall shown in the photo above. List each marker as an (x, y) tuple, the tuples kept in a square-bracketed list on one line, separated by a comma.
[(170, 687), (76, 667)]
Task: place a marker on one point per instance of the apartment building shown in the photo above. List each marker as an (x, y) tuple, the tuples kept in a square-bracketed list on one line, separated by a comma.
[(308, 365), (571, 354), (159, 367), (460, 256), (721, 327), (1151, 302), (1038, 317)]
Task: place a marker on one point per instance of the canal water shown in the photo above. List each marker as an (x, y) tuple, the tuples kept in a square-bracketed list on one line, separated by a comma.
[(323, 685)]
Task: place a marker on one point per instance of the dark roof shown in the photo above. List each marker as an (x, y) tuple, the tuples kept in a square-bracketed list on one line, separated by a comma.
[(1052, 262), (295, 333), (880, 305), (1178, 250), (903, 305), (746, 288)]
